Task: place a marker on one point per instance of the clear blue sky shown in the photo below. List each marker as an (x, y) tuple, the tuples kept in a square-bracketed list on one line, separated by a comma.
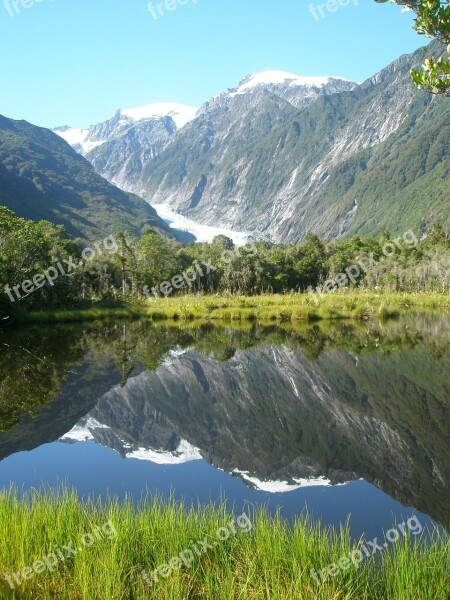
[(76, 61)]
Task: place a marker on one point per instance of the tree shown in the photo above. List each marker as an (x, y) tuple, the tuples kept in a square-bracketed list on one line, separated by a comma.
[(28, 249), (224, 242), (437, 236), (155, 260), (433, 21)]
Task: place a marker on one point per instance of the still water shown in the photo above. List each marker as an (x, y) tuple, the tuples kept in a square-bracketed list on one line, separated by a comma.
[(342, 420)]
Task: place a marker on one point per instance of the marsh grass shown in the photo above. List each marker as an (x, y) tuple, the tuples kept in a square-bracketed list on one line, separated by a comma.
[(280, 308), (99, 313), (267, 308), (295, 307), (273, 560)]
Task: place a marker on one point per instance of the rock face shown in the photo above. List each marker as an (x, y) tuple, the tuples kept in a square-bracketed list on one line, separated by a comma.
[(353, 161), (281, 155), (120, 147)]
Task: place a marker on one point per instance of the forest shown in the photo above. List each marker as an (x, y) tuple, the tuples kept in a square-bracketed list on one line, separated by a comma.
[(42, 268)]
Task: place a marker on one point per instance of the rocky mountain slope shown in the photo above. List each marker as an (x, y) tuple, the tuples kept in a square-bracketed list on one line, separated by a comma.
[(42, 177), (121, 146), (351, 162), (281, 155)]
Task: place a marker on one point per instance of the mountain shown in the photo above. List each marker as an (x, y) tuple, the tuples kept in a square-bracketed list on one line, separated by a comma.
[(375, 156), (280, 155), (42, 177), (297, 90), (121, 146)]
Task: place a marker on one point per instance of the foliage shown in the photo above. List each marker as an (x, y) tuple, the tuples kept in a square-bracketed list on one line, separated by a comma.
[(42, 177), (137, 269), (433, 21)]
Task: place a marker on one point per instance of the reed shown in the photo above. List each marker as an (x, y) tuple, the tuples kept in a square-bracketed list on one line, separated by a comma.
[(266, 559)]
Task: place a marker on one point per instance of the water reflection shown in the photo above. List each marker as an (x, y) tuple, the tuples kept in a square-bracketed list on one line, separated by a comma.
[(280, 408)]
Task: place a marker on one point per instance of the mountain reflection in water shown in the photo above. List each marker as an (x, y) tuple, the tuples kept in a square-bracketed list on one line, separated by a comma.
[(279, 408)]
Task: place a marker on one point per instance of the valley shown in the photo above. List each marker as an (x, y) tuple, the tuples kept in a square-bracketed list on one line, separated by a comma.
[(225, 309)]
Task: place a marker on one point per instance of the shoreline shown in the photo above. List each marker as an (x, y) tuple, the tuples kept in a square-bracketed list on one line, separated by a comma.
[(271, 308)]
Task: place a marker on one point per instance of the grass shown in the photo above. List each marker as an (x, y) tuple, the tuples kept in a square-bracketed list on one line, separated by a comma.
[(75, 315), (264, 559), (266, 308), (295, 307)]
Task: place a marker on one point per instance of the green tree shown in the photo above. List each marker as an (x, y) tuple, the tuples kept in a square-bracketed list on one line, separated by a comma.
[(156, 260), (437, 236), (26, 250), (224, 242), (433, 21)]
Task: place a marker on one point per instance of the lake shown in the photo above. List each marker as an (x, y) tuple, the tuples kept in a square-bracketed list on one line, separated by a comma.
[(344, 420)]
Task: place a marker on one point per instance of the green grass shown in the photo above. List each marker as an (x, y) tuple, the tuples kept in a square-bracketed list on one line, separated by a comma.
[(295, 307), (267, 308), (75, 315), (267, 560)]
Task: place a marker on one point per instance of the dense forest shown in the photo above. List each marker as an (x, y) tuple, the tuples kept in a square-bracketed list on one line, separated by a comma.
[(41, 267)]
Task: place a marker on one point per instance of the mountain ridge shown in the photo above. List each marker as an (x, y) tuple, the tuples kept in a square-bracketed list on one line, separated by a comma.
[(42, 177), (281, 159)]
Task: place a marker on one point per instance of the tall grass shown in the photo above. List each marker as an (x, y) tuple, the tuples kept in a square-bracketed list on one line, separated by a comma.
[(272, 560), (279, 308), (83, 314), (295, 307)]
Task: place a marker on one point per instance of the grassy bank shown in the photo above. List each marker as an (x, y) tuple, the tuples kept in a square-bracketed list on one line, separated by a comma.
[(295, 307), (75, 315), (261, 558), (271, 307)]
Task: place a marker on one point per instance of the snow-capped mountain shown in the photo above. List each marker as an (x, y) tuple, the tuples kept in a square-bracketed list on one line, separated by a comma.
[(280, 77), (156, 416), (175, 116), (180, 113), (281, 155), (77, 138), (87, 428), (296, 89), (121, 147)]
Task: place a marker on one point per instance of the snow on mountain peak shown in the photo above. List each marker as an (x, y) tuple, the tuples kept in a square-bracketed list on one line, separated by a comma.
[(279, 77), (87, 139), (279, 487), (180, 113), (77, 137)]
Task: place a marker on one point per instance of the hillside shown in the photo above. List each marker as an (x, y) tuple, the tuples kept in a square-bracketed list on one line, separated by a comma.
[(42, 177), (350, 162)]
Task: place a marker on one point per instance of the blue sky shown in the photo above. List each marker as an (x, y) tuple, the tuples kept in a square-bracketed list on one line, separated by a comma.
[(76, 61)]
